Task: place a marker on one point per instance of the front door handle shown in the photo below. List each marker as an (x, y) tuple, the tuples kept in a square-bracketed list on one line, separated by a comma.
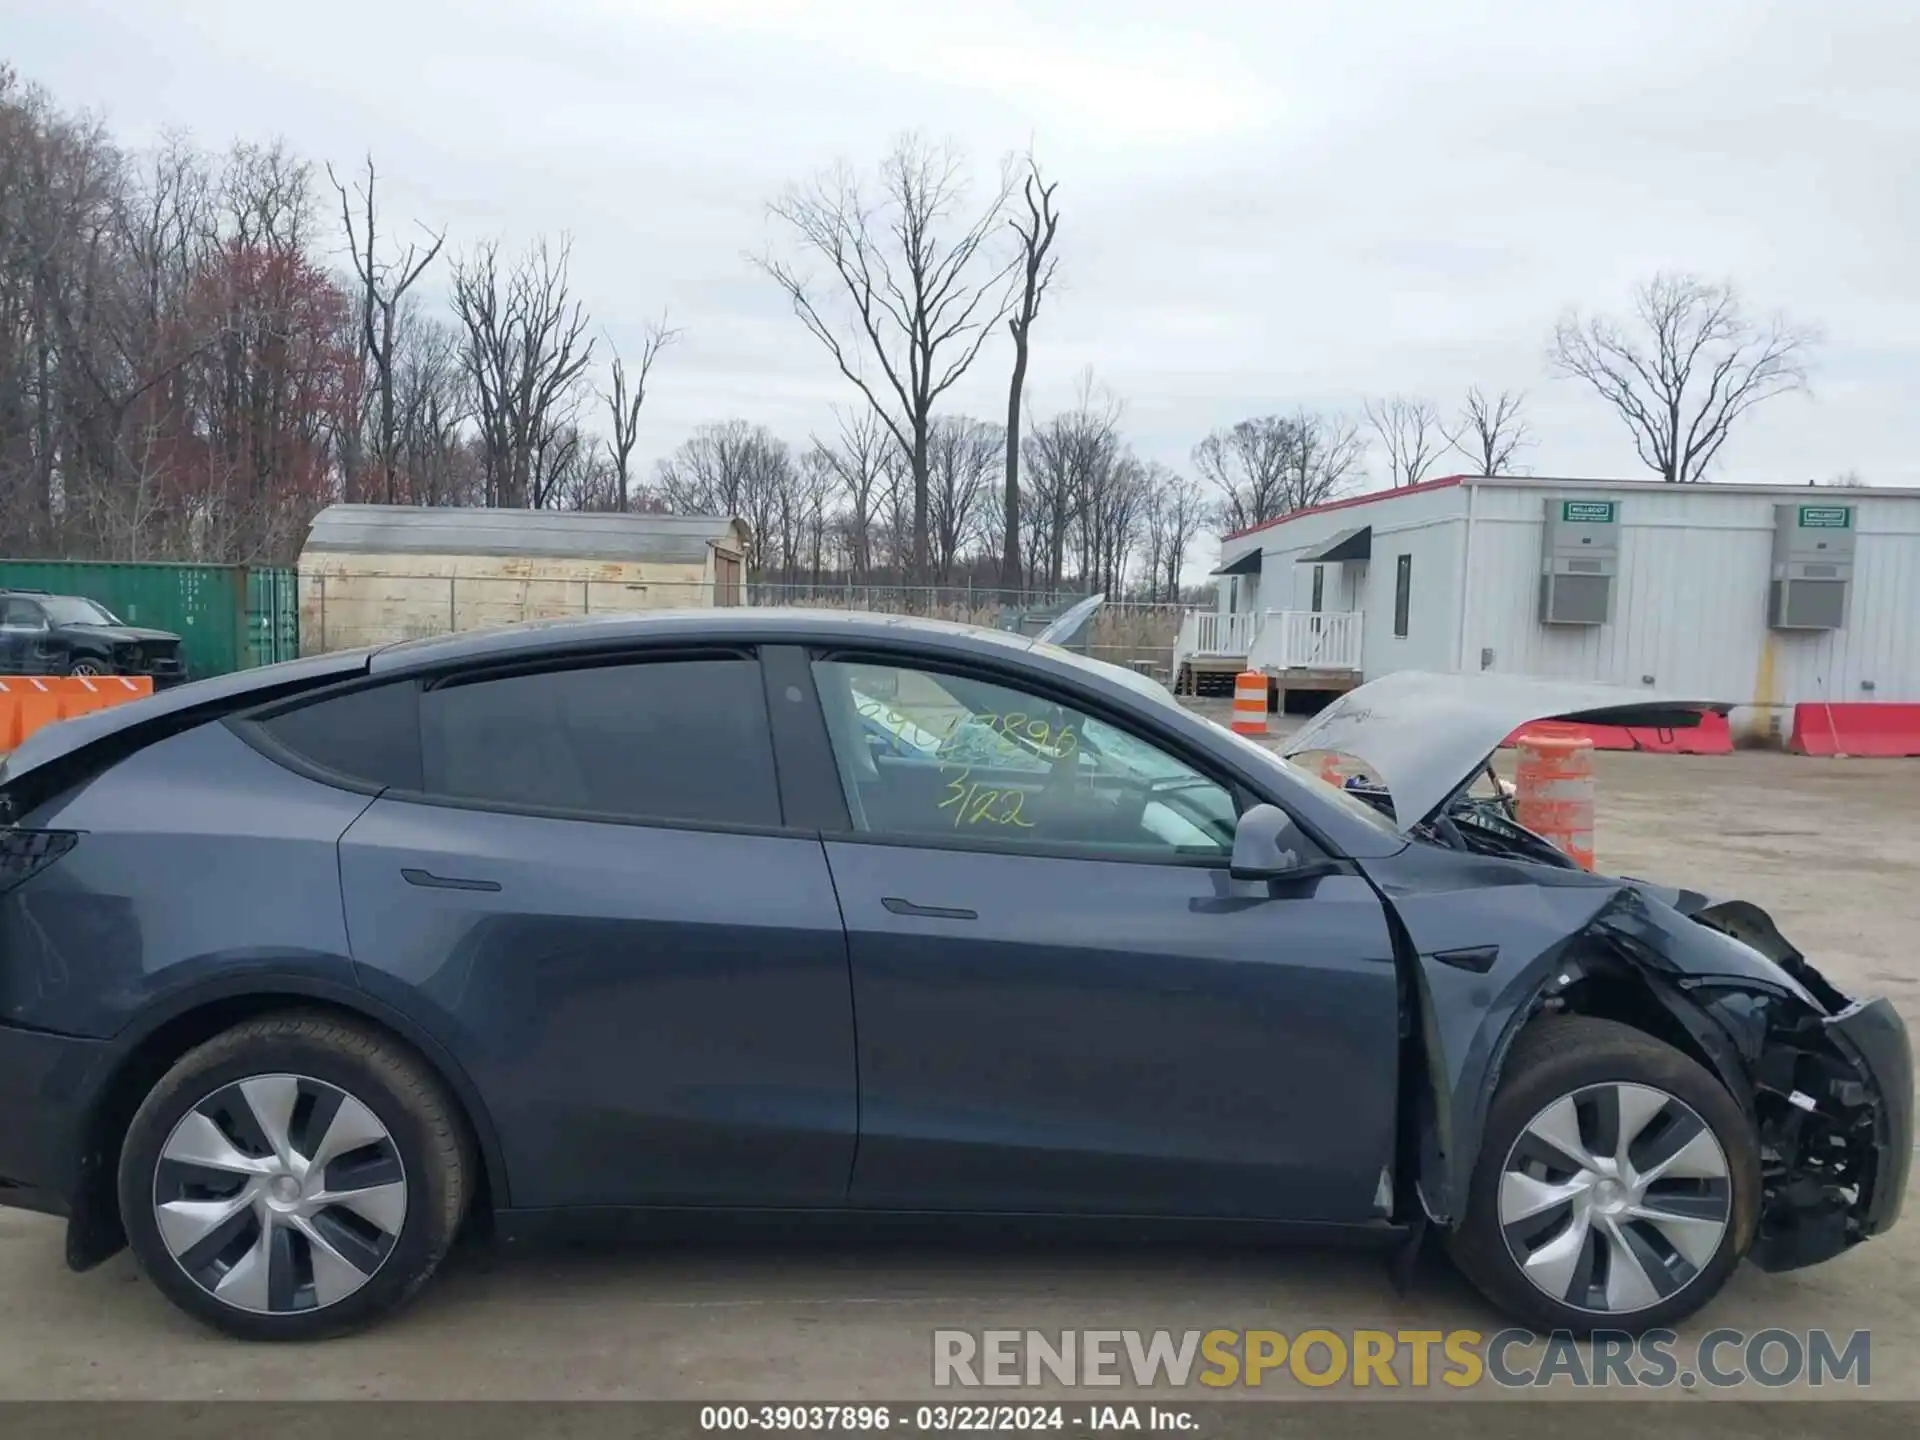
[(430, 881), (927, 912)]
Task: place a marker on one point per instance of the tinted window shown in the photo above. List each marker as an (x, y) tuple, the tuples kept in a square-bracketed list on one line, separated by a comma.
[(925, 754), (21, 614), (371, 735), (666, 740)]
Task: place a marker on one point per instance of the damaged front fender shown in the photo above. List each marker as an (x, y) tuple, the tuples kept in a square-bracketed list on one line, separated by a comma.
[(1489, 944)]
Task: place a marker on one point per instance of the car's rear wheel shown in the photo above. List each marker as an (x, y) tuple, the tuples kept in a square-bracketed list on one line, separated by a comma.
[(1617, 1186), (294, 1177)]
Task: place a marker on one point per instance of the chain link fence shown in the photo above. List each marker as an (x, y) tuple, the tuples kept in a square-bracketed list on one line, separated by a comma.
[(347, 611)]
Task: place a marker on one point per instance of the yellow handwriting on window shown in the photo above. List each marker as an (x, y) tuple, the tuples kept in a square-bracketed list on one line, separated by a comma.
[(975, 804)]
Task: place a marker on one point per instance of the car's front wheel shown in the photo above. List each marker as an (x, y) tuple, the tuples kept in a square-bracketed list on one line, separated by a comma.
[(1618, 1182), (294, 1177), (86, 665)]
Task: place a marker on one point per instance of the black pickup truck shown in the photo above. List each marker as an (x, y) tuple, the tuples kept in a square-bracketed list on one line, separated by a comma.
[(42, 634)]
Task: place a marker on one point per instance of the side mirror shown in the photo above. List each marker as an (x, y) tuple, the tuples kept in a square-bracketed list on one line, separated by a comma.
[(1267, 845)]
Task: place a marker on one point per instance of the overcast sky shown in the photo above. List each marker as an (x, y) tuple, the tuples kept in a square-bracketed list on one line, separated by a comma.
[(1264, 204)]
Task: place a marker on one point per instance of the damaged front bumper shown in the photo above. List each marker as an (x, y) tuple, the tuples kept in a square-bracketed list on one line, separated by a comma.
[(1832, 1100), (1836, 1173)]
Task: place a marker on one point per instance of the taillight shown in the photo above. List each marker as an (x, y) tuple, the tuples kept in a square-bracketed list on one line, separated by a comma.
[(25, 853)]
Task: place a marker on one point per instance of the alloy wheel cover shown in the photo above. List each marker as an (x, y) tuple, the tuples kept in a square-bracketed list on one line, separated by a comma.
[(280, 1194), (1615, 1198)]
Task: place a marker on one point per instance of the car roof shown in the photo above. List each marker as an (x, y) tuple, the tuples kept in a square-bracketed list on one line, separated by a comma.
[(720, 625), (747, 625)]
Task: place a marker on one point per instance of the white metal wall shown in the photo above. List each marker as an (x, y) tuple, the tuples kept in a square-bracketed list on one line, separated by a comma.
[(1689, 606), (1429, 525)]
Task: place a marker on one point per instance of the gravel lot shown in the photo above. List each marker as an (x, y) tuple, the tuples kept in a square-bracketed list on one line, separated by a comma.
[(1831, 847)]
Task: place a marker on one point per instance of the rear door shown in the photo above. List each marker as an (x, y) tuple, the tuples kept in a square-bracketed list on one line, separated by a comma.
[(582, 882)]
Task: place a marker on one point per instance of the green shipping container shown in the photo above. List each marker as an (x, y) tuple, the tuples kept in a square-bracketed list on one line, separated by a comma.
[(228, 617)]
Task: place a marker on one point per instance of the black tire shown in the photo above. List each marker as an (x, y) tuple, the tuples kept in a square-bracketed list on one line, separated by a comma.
[(89, 665), (384, 1076), (1559, 1056)]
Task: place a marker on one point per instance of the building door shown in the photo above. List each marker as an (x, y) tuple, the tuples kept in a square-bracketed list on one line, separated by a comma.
[(726, 578)]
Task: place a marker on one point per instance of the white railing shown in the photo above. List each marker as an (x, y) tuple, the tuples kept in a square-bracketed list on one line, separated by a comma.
[(1215, 633), (1307, 640)]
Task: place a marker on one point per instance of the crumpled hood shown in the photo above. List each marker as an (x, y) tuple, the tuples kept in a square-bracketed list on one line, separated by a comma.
[(1426, 735)]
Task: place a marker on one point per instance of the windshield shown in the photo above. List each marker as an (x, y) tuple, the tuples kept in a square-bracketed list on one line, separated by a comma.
[(74, 610)]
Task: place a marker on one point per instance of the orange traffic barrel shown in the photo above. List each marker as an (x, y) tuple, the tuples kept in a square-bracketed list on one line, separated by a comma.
[(1553, 796), (1250, 703)]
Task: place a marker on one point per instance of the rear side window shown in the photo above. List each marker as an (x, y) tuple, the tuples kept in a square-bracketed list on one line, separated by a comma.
[(678, 740), (370, 735)]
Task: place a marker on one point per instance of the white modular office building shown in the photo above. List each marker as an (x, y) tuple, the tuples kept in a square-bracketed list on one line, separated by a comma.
[(1763, 596)]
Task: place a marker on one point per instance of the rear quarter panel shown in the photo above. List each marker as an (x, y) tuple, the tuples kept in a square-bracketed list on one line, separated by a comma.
[(200, 862)]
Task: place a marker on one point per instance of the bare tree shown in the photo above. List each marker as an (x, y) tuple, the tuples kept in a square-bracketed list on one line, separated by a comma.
[(1491, 431), (1176, 508), (1687, 367), (857, 459), (1272, 465), (432, 407), (912, 293), (1037, 262), (734, 469), (383, 285), (1068, 458), (961, 455), (526, 347), (1412, 435), (623, 403), (1111, 522)]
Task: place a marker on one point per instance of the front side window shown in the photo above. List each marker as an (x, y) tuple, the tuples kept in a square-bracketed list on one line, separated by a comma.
[(673, 740), (956, 757)]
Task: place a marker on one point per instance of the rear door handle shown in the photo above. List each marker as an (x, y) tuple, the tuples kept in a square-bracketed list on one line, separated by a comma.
[(430, 881), (927, 912)]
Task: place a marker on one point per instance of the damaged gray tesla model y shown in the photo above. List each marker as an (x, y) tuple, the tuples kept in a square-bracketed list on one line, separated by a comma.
[(743, 911)]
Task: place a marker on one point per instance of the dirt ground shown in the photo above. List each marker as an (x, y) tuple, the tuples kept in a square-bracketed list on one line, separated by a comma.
[(1832, 848)]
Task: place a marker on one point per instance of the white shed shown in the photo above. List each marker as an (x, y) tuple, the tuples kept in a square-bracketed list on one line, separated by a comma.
[(1767, 596), (370, 574)]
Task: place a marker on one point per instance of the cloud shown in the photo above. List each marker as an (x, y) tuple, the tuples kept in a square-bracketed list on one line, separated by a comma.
[(1264, 205)]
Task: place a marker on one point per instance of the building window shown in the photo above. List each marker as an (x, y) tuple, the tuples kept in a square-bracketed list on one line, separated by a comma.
[(1319, 583), (1402, 594)]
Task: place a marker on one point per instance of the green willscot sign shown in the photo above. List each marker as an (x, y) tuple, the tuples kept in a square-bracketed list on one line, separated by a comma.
[(1592, 512), (1826, 517)]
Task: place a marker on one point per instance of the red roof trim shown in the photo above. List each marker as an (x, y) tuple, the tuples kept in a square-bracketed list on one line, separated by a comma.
[(1441, 484)]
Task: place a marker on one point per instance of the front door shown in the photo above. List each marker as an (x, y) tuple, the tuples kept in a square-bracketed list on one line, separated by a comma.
[(1065, 1004), (592, 894)]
